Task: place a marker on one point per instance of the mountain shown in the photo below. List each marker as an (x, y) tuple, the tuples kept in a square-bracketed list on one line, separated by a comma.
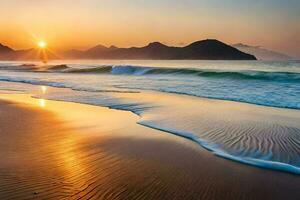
[(209, 49), (5, 50), (7, 53), (261, 53), (214, 50)]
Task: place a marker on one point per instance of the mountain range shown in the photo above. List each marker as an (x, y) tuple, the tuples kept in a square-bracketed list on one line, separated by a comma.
[(206, 49), (209, 49), (5, 49), (7, 53)]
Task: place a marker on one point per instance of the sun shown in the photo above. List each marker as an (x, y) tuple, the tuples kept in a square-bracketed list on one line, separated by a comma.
[(42, 44)]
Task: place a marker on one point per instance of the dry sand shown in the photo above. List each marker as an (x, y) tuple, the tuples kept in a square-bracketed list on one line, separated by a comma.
[(59, 150)]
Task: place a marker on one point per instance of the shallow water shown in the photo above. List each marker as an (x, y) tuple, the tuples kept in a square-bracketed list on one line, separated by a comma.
[(265, 83)]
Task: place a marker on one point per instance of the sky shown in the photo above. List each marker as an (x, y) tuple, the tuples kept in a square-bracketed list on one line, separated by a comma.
[(81, 24)]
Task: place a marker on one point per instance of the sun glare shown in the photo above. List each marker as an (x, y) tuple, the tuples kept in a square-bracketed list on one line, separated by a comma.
[(42, 44)]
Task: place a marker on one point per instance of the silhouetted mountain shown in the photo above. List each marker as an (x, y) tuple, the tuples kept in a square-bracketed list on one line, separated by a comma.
[(73, 53), (99, 49), (261, 53), (214, 50), (5, 50), (203, 50), (6, 53)]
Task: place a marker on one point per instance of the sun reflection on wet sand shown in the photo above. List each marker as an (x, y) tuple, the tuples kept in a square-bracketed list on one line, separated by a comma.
[(70, 162), (72, 114), (42, 103), (65, 152)]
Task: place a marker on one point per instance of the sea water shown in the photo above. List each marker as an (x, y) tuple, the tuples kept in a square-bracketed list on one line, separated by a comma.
[(267, 83)]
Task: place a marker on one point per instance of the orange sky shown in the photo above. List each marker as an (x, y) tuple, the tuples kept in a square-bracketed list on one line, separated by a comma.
[(81, 24)]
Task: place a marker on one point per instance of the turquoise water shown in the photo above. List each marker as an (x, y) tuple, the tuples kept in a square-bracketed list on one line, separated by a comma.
[(265, 83)]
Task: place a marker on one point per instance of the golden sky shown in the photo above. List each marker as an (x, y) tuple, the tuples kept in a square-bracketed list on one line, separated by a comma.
[(81, 24)]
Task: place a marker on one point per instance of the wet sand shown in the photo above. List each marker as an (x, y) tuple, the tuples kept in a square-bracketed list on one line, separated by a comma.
[(59, 150)]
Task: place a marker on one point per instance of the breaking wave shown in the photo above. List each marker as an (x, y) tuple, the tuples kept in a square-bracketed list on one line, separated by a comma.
[(140, 70), (135, 70)]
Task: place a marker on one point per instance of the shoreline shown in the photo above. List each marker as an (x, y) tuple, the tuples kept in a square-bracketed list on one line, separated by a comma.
[(87, 158), (289, 117)]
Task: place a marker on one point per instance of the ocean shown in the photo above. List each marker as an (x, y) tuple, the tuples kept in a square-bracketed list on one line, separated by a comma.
[(106, 83)]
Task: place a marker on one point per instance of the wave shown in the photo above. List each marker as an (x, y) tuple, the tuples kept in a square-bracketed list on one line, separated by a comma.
[(137, 70), (22, 67), (58, 67), (141, 70), (262, 98), (34, 67), (216, 150)]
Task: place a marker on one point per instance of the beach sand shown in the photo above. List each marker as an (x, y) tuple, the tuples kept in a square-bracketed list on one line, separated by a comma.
[(61, 150)]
